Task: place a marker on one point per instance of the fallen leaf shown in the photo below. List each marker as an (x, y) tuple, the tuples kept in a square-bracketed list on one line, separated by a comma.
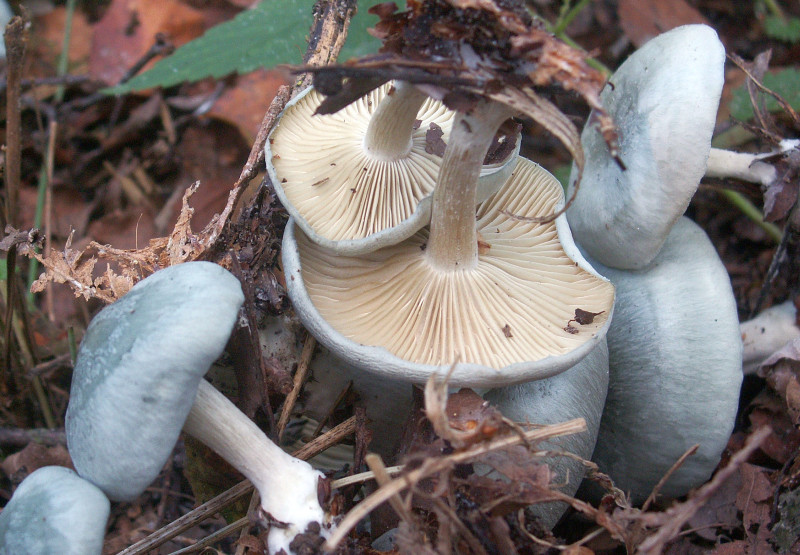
[(642, 20), (128, 30), (32, 457), (244, 103)]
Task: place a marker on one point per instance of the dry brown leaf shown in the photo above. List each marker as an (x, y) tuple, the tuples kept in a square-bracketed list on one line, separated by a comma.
[(782, 370), (244, 103), (32, 457), (644, 19), (128, 29)]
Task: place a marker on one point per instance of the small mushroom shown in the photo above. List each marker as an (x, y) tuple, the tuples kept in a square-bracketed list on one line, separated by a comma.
[(362, 178), (54, 511), (664, 100), (579, 392), (675, 355), (138, 369), (499, 294)]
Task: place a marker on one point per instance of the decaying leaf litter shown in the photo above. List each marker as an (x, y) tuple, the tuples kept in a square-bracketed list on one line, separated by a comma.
[(449, 507)]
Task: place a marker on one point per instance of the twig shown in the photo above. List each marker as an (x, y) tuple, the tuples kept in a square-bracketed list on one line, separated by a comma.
[(432, 466), (679, 463), (216, 536), (671, 520), (16, 39), (363, 477), (375, 464), (19, 437), (299, 379)]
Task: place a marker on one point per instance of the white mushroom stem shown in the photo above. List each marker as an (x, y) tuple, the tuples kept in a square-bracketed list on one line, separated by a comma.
[(770, 330), (739, 165), (724, 164), (287, 486), (389, 132), (453, 243)]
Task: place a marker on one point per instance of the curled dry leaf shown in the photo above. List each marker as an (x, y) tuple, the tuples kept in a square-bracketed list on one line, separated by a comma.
[(464, 418), (782, 372), (124, 268)]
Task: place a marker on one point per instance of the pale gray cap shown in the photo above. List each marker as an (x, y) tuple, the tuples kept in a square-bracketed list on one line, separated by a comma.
[(138, 369), (54, 511), (664, 101), (675, 355)]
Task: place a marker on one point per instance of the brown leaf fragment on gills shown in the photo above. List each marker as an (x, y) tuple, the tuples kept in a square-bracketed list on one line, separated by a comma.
[(434, 144), (584, 317), (507, 331)]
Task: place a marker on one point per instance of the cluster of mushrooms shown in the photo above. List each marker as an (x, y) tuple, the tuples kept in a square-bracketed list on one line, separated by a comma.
[(409, 253)]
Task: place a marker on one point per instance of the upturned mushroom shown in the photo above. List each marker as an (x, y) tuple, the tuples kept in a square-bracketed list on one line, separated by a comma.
[(664, 100), (362, 178), (512, 299), (675, 356), (52, 511), (138, 381)]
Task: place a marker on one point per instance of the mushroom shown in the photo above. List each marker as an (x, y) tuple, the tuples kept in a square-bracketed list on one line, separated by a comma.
[(137, 371), (505, 296), (770, 330), (362, 178), (664, 100), (675, 355), (579, 392), (53, 510), (138, 380)]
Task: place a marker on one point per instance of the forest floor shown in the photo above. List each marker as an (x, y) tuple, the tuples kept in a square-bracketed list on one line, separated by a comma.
[(116, 169)]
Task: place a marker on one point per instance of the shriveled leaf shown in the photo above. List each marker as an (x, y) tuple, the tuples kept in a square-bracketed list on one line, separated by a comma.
[(785, 82), (786, 29), (787, 531)]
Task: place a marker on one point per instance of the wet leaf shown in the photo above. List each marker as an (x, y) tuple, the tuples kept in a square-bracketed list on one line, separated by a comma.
[(785, 82)]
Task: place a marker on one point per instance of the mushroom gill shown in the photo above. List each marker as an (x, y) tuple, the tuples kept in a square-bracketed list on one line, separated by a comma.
[(517, 304)]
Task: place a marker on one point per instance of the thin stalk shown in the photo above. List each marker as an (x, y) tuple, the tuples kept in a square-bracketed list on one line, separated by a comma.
[(46, 171), (774, 8), (564, 21), (388, 135), (16, 40), (751, 211), (453, 242)]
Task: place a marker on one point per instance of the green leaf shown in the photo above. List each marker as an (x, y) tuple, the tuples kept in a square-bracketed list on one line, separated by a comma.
[(786, 83), (3, 270), (786, 29), (271, 33), (359, 41)]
